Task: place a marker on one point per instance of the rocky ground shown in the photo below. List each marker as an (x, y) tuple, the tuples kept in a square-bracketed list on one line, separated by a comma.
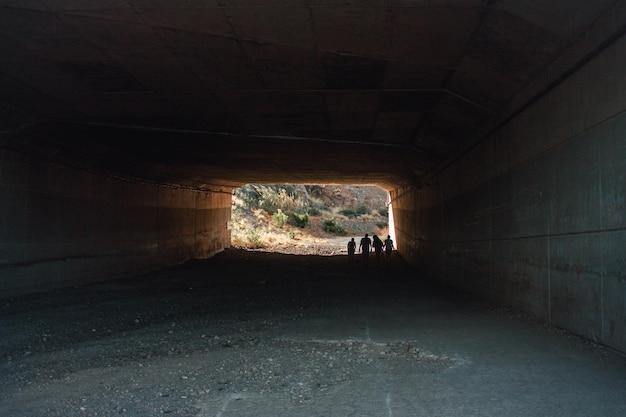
[(251, 333), (167, 342)]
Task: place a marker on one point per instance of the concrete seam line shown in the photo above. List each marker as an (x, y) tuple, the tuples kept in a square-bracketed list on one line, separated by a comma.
[(388, 402)]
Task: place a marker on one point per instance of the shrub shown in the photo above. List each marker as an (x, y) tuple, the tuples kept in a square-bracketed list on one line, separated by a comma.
[(280, 218), (248, 195), (330, 226), (351, 214), (274, 197), (384, 211), (314, 211), (254, 240), (292, 234), (362, 209), (299, 220)]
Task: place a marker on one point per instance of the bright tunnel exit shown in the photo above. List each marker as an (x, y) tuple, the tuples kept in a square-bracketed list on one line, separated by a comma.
[(308, 219)]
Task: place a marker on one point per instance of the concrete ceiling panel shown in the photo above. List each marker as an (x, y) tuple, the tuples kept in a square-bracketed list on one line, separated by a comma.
[(272, 4), (114, 11), (352, 121), (45, 35), (398, 120), (484, 85), (404, 75), (103, 77), (207, 20), (146, 106), (24, 4), (282, 67), (22, 96), (165, 4), (390, 135), (439, 3), (408, 81), (197, 54), (221, 62), (436, 145), (289, 102), (408, 100), (236, 70), (289, 26), (49, 80), (137, 50), (564, 18), (362, 32), (348, 101), (299, 124), (249, 102), (115, 38), (352, 72), (455, 118), (421, 34), (66, 5), (514, 46)]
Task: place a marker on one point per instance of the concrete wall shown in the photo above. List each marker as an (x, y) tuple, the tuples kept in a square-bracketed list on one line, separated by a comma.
[(60, 225), (535, 216)]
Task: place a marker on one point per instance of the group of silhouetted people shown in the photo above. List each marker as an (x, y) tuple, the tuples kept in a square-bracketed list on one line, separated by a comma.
[(368, 244)]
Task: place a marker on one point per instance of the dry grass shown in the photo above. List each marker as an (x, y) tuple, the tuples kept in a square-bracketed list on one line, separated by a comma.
[(255, 229)]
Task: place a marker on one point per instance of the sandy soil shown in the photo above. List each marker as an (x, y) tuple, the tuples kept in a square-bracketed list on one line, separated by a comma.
[(266, 334)]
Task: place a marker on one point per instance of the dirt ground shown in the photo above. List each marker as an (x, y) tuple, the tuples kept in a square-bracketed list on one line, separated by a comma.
[(252, 333)]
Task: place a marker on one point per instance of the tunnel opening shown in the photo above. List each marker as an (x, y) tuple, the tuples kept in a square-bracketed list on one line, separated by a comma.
[(308, 219)]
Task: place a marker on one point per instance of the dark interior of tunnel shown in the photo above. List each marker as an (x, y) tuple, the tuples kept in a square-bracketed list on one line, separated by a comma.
[(496, 126)]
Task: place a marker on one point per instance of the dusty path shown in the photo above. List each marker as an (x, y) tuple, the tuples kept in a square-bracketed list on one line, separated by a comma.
[(262, 334)]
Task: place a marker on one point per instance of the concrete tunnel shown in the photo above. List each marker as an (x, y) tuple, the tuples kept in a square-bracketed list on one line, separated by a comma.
[(498, 128)]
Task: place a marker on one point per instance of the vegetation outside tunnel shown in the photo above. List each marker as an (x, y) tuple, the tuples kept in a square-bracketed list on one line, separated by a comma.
[(266, 215)]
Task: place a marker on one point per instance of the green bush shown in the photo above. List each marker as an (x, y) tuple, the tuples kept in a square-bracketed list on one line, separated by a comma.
[(274, 197), (314, 211), (351, 214), (272, 200), (362, 209), (280, 218), (254, 240), (269, 197), (249, 195), (384, 211), (299, 220), (330, 226)]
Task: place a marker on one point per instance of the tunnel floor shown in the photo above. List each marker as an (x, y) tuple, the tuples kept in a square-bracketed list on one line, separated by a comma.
[(265, 334)]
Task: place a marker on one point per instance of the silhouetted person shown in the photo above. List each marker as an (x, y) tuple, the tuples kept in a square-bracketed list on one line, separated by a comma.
[(378, 246), (364, 247), (388, 247), (351, 249)]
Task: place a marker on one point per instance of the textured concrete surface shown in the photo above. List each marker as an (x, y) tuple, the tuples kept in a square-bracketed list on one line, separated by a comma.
[(258, 334), (498, 125), (416, 79), (60, 225), (533, 216)]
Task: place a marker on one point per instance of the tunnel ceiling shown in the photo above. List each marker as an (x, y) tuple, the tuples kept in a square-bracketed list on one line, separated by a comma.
[(209, 93)]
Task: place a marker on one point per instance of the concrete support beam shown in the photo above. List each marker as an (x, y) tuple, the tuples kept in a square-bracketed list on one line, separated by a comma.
[(60, 225), (534, 216)]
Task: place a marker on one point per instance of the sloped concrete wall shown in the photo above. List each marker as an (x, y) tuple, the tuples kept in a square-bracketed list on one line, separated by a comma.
[(535, 216), (61, 226)]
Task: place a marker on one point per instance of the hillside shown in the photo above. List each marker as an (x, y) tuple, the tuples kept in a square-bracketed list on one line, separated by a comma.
[(312, 219)]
